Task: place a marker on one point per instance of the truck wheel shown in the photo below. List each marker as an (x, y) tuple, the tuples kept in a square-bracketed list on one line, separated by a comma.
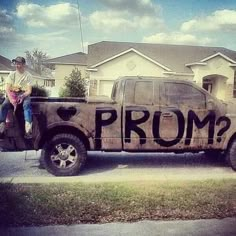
[(64, 155), (231, 155)]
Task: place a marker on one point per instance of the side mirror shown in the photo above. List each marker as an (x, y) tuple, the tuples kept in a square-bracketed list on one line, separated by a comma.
[(211, 105)]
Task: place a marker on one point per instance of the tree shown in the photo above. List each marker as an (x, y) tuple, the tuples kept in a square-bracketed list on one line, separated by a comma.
[(35, 61), (75, 85)]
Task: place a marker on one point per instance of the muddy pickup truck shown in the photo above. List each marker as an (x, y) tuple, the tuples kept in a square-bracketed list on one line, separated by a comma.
[(144, 114)]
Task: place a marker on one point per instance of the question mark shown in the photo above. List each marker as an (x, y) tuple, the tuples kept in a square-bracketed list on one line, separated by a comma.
[(225, 128)]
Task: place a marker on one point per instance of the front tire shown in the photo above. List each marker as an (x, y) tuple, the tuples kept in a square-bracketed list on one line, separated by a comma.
[(64, 155), (231, 155)]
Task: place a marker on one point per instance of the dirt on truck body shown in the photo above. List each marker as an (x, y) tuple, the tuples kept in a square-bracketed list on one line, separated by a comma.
[(143, 114)]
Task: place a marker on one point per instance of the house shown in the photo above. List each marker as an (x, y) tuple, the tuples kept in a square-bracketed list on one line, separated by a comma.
[(213, 68), (6, 67), (64, 66)]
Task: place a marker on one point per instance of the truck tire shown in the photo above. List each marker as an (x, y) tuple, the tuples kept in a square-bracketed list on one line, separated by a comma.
[(64, 155), (231, 155)]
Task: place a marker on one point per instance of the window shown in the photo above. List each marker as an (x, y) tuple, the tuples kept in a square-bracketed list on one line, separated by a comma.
[(179, 94), (143, 94), (114, 91), (139, 92)]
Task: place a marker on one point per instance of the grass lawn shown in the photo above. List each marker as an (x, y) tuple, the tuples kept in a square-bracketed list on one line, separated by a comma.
[(47, 204)]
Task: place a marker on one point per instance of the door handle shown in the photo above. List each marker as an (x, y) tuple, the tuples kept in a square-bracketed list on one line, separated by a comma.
[(167, 114)]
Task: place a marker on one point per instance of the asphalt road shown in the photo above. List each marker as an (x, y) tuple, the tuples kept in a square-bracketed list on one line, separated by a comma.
[(118, 167)]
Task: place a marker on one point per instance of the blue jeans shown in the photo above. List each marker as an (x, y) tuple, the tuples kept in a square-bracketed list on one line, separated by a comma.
[(6, 105)]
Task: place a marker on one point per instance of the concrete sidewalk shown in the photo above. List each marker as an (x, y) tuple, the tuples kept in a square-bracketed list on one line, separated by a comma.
[(114, 178), (212, 227)]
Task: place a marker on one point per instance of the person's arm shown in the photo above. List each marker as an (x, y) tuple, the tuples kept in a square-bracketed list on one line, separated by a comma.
[(28, 91), (8, 90)]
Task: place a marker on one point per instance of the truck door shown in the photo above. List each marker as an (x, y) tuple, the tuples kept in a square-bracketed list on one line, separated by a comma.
[(141, 101), (185, 121)]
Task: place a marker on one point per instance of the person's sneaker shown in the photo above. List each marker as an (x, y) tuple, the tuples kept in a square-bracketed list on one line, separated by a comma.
[(28, 130)]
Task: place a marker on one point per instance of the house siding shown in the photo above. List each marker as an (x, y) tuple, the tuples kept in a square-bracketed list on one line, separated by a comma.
[(219, 68), (62, 71), (130, 64)]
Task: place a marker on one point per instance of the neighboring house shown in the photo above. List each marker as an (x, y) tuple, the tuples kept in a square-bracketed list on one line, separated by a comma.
[(6, 67), (211, 67), (64, 66)]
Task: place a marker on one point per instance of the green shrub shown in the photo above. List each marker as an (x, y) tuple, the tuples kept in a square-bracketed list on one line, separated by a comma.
[(75, 85)]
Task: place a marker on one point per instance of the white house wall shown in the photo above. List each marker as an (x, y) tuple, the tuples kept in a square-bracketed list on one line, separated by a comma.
[(130, 64), (215, 66)]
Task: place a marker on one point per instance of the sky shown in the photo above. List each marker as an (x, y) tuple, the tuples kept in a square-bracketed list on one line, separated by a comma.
[(53, 26)]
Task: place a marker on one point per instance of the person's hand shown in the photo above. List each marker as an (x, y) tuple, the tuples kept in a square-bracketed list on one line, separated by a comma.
[(13, 101), (20, 99)]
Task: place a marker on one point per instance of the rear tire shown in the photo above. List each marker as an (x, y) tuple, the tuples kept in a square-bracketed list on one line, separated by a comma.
[(64, 155), (231, 155)]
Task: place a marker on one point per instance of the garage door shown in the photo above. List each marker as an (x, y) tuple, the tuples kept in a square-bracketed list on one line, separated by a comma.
[(105, 87)]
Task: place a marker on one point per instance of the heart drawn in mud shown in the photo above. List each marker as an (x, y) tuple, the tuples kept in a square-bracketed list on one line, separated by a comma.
[(65, 113)]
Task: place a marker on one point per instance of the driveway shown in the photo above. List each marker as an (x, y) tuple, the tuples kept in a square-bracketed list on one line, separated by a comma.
[(19, 166)]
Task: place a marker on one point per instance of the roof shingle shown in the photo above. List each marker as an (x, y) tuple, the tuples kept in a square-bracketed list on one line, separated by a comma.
[(5, 64), (79, 58), (174, 57)]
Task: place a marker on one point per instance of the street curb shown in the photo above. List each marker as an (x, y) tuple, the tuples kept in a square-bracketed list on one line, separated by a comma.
[(209, 227), (103, 178)]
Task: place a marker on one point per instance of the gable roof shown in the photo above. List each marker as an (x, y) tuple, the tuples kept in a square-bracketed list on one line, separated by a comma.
[(78, 58), (127, 51), (5, 64), (174, 57), (219, 54)]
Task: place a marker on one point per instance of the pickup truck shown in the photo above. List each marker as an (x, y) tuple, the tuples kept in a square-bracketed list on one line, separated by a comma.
[(144, 114)]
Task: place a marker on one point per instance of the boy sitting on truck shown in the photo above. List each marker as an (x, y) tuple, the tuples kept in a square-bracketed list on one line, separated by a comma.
[(18, 90)]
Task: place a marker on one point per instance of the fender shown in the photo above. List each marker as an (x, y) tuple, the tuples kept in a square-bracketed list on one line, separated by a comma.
[(79, 127)]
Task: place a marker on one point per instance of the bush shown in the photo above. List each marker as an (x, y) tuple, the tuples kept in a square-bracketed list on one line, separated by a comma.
[(75, 85)]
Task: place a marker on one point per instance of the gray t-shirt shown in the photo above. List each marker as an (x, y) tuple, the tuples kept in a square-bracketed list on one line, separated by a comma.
[(18, 80)]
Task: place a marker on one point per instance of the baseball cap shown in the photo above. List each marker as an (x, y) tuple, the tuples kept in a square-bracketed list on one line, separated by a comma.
[(19, 59)]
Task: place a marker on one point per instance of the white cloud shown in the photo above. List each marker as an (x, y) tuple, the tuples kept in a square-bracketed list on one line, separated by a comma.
[(5, 18), (123, 15), (138, 7), (45, 37), (7, 30), (176, 38), (58, 15), (218, 20), (110, 20)]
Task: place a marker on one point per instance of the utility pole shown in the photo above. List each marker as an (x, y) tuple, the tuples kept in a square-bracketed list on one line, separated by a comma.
[(80, 25)]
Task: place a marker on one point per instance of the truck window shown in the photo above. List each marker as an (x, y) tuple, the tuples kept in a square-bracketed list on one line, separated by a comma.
[(143, 93), (179, 94), (114, 91), (139, 92)]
